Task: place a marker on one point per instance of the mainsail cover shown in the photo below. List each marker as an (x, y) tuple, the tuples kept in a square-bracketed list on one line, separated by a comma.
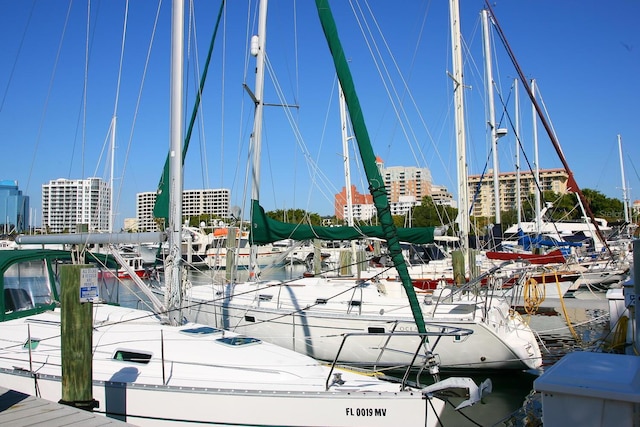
[(268, 230)]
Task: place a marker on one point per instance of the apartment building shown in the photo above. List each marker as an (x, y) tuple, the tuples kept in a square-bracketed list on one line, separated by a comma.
[(441, 196), (363, 208), (481, 189), (69, 202), (402, 181), (194, 203), (405, 186)]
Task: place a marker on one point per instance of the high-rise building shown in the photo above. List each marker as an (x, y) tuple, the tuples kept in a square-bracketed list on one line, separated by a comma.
[(406, 181), (69, 202), (481, 189), (362, 205), (405, 186), (14, 208), (194, 203)]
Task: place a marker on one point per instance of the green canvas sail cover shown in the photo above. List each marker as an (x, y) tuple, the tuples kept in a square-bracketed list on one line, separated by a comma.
[(376, 184), (268, 230)]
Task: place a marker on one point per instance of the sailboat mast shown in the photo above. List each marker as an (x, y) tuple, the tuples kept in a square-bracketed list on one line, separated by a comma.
[(461, 142), (174, 275), (345, 154), (347, 167), (258, 46), (625, 194), (517, 125), (113, 154), (492, 114), (536, 161)]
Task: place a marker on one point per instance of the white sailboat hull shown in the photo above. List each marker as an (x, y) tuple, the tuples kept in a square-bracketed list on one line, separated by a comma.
[(177, 406), (204, 381), (268, 255), (290, 316)]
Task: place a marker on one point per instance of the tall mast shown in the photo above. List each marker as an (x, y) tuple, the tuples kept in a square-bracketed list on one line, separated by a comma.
[(113, 154), (461, 142), (174, 267), (517, 124), (492, 114), (625, 194), (258, 46), (347, 167), (536, 161), (345, 154)]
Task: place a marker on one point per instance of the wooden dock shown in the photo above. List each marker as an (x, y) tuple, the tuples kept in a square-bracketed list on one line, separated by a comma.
[(19, 410)]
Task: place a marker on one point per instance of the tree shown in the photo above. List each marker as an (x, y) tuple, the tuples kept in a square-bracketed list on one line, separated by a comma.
[(295, 216), (428, 214), (603, 206)]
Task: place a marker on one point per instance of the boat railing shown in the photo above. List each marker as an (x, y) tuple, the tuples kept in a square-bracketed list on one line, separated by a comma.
[(475, 288), (424, 345)]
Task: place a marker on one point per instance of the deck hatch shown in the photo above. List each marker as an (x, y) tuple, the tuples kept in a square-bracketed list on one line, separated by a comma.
[(238, 341), (202, 330)]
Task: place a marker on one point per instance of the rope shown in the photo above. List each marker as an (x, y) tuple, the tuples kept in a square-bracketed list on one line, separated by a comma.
[(533, 295), (564, 310), (620, 334)]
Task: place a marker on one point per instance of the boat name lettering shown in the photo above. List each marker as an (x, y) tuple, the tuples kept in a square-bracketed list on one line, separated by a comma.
[(366, 412)]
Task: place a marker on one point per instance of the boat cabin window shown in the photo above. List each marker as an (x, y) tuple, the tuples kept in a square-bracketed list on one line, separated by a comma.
[(132, 356), (26, 285)]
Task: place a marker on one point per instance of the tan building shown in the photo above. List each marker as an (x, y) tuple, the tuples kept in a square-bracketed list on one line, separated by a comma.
[(482, 194), (405, 181)]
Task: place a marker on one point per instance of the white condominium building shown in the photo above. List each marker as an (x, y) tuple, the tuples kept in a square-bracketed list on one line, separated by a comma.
[(194, 203), (69, 202)]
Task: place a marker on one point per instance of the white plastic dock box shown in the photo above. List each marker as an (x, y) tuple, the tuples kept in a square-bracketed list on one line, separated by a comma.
[(591, 389)]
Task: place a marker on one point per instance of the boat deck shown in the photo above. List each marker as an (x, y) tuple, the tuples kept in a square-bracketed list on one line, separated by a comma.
[(19, 409)]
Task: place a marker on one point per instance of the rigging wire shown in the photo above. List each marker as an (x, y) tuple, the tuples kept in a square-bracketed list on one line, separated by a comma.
[(47, 98), (15, 61)]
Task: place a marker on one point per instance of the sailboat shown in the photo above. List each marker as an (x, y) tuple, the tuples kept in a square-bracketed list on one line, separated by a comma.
[(364, 322), (153, 368)]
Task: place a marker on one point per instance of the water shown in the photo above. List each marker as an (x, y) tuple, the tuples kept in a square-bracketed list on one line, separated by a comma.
[(510, 389)]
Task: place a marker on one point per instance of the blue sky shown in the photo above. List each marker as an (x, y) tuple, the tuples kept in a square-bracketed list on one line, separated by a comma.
[(584, 56)]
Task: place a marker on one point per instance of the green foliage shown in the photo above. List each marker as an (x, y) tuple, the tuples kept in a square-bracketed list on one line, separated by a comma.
[(295, 216), (566, 208), (428, 214)]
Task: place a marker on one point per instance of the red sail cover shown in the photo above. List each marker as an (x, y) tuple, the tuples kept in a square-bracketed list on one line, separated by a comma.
[(548, 258)]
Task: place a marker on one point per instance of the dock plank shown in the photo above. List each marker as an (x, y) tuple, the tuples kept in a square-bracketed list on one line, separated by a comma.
[(20, 410)]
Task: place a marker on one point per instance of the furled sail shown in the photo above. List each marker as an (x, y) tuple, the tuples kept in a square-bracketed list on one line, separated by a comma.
[(268, 230), (376, 183)]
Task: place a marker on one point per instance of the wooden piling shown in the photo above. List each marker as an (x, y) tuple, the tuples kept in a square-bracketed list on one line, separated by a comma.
[(76, 340), (457, 258)]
